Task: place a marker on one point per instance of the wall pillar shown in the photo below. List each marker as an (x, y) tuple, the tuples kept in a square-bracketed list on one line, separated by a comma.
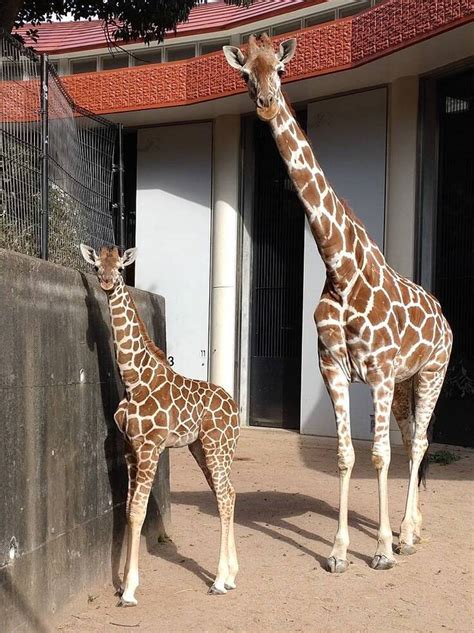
[(401, 185), (224, 251), (401, 181)]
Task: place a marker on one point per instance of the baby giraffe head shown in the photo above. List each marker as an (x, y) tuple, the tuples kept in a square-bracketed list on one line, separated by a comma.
[(108, 264), (261, 69)]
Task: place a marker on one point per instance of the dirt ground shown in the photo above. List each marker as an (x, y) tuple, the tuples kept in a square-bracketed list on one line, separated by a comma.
[(286, 515)]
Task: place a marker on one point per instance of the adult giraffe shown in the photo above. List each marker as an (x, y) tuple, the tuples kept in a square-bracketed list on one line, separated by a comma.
[(163, 409), (373, 325)]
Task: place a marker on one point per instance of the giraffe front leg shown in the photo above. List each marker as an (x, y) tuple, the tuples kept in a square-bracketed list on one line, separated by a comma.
[(338, 388), (131, 461), (146, 463), (382, 385)]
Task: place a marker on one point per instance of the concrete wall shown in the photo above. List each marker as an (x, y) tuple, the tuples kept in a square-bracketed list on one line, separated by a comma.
[(63, 480)]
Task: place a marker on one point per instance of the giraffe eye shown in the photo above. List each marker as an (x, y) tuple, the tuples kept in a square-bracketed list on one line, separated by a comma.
[(120, 269), (96, 268), (280, 72), (245, 77)]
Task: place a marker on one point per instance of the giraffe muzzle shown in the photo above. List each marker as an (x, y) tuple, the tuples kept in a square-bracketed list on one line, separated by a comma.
[(268, 113)]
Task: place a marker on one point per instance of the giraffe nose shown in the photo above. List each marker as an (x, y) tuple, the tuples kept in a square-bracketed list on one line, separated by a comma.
[(265, 102)]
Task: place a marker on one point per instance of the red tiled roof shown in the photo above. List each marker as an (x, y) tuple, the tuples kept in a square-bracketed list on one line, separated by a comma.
[(328, 48), (64, 37)]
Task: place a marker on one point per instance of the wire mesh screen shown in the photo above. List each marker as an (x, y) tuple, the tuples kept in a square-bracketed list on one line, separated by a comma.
[(20, 148), (81, 151), (80, 148)]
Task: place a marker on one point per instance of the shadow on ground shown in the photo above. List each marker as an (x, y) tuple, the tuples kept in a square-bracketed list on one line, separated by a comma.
[(270, 513)]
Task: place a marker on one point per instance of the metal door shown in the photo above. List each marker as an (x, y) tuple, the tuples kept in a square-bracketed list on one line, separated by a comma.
[(454, 254), (276, 290)]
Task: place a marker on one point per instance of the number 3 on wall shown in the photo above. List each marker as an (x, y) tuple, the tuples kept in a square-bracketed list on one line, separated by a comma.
[(171, 360)]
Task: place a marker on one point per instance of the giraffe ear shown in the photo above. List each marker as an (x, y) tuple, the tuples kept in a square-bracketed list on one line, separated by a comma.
[(89, 254), (129, 256), (234, 56), (287, 50)]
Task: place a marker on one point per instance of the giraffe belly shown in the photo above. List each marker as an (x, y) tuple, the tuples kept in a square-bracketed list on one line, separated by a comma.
[(181, 437)]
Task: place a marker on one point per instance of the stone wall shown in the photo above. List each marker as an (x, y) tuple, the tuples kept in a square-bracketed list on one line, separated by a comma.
[(63, 479)]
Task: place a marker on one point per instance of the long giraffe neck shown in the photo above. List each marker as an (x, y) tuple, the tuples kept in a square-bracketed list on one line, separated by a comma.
[(133, 346), (336, 231)]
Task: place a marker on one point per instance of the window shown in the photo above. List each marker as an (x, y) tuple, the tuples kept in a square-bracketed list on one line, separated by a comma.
[(146, 56), (354, 9), (320, 18), (109, 62), (176, 53), (142, 57), (245, 38), (287, 27), (83, 65), (212, 47)]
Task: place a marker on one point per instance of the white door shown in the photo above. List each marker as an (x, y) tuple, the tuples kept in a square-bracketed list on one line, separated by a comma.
[(348, 135), (174, 196)]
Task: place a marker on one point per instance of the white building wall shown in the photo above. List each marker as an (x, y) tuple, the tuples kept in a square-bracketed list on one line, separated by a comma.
[(173, 233), (348, 134)]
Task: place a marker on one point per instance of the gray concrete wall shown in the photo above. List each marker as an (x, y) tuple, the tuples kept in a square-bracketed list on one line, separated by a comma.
[(62, 475)]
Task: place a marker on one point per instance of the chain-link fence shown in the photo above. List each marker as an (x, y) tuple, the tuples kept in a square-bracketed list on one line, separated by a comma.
[(57, 163)]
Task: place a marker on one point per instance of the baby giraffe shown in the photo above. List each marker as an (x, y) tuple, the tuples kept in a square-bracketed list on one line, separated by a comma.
[(163, 409)]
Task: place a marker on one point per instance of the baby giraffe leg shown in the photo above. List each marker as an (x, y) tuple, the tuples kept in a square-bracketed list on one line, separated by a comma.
[(233, 566), (131, 462), (147, 461)]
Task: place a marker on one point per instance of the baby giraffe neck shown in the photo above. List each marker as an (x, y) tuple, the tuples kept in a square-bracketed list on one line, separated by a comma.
[(130, 344)]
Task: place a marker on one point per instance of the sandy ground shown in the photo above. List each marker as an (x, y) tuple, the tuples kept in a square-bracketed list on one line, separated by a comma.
[(285, 520)]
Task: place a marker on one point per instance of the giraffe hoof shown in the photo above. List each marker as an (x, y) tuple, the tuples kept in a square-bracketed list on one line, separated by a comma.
[(380, 561), (127, 603), (230, 585), (404, 549), (216, 591), (336, 565)]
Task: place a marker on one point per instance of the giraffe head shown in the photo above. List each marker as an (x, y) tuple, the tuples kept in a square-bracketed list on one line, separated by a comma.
[(261, 69), (108, 264)]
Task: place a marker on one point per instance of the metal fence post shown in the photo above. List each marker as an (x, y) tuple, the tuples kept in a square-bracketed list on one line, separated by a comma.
[(121, 200), (44, 159)]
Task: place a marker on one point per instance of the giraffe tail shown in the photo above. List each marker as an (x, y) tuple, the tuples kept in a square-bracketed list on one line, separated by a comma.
[(425, 462)]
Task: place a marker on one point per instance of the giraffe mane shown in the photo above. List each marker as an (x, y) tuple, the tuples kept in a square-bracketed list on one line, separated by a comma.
[(149, 343)]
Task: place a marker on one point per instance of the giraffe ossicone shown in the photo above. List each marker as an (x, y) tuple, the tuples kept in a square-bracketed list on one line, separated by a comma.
[(163, 409), (373, 325)]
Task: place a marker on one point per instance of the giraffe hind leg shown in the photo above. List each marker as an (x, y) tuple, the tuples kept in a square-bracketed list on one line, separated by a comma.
[(403, 412), (218, 456), (428, 384), (197, 452)]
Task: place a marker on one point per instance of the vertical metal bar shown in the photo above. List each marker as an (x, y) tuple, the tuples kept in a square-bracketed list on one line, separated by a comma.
[(44, 158), (121, 201)]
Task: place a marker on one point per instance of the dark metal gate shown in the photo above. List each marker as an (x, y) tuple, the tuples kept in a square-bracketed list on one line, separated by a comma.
[(276, 290), (454, 254)]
